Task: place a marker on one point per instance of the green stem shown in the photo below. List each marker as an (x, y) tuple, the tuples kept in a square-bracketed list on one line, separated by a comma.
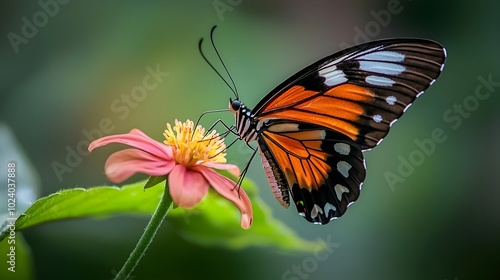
[(147, 236)]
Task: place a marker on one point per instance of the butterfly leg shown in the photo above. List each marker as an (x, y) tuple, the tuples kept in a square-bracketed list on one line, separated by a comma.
[(216, 122), (229, 129), (222, 135), (227, 147), (245, 170)]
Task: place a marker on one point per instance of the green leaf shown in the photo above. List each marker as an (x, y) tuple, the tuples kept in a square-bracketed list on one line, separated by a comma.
[(92, 202), (214, 222)]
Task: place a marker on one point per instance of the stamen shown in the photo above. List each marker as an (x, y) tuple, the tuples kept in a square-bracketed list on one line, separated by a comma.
[(191, 146)]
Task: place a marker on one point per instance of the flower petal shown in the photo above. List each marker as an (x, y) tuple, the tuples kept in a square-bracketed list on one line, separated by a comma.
[(187, 187), (228, 189), (231, 168), (136, 139), (123, 164)]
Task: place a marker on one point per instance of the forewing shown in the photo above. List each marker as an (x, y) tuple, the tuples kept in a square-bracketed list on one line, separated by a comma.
[(359, 92)]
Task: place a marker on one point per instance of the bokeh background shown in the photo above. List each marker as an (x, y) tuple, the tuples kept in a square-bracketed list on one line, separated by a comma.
[(439, 221)]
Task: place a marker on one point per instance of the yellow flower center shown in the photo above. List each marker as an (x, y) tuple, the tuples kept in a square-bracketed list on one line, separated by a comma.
[(191, 146)]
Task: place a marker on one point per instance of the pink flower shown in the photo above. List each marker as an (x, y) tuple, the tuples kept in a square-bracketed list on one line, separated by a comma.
[(187, 155)]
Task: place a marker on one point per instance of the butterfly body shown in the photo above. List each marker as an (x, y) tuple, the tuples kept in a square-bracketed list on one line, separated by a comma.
[(313, 128)]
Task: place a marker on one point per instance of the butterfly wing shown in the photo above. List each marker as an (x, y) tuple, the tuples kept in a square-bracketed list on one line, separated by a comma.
[(321, 168), (360, 91), (344, 102)]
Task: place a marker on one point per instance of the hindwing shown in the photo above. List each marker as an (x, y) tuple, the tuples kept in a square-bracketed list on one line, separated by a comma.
[(322, 169)]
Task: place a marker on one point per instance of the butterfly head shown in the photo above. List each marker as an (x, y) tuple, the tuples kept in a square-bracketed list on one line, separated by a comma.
[(238, 108), (235, 105)]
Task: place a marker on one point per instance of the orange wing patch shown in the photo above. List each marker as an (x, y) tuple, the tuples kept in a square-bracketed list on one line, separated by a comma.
[(300, 157), (336, 108), (351, 92), (290, 97)]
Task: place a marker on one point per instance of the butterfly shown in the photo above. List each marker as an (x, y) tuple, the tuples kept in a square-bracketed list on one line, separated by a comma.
[(313, 128)]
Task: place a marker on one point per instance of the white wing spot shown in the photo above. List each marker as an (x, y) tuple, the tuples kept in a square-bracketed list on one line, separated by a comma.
[(379, 141), (393, 121), (377, 118), (384, 56), (342, 148), (343, 167), (382, 67), (316, 209), (333, 76), (339, 190), (379, 81), (406, 108), (391, 100), (328, 207)]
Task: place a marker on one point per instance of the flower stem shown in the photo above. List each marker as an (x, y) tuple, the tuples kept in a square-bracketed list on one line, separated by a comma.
[(147, 236)]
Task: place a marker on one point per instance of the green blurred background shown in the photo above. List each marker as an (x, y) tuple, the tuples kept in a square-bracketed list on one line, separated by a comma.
[(440, 222)]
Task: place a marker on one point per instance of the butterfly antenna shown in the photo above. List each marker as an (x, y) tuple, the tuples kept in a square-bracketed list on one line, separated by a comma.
[(213, 68), (235, 91), (210, 112)]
